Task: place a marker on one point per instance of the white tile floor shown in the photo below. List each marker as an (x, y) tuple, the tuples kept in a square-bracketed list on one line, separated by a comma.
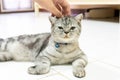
[(100, 41)]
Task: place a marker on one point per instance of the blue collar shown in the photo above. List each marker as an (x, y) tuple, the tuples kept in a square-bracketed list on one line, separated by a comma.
[(57, 45)]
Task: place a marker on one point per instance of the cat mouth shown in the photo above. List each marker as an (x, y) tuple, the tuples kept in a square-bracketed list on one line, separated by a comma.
[(66, 36)]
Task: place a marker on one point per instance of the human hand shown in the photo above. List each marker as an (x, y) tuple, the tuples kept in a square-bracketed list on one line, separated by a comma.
[(58, 8)]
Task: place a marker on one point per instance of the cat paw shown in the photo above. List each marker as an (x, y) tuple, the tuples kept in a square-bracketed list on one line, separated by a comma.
[(5, 57), (38, 70), (79, 72)]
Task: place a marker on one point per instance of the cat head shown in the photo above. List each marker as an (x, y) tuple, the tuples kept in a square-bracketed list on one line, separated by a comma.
[(66, 29)]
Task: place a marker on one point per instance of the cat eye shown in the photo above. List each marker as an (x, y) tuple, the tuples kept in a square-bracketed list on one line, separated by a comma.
[(72, 28), (60, 27)]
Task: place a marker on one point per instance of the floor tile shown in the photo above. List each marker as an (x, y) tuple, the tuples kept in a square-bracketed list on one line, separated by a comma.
[(99, 39), (54, 77), (90, 60), (113, 60), (65, 70), (18, 71), (23, 23), (101, 71), (94, 71)]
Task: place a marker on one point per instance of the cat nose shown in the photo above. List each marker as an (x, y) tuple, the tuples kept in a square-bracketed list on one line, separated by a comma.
[(66, 32)]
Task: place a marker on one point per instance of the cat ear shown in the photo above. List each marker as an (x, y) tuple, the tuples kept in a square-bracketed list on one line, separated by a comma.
[(79, 17), (52, 19)]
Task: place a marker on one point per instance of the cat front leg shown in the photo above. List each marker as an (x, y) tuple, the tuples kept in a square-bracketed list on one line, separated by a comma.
[(5, 56), (78, 67), (42, 66)]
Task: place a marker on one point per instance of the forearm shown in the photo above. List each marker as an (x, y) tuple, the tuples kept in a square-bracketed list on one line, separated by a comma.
[(41, 60), (79, 65), (81, 60)]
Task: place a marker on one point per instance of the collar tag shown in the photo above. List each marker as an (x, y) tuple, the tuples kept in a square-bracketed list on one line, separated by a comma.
[(57, 45)]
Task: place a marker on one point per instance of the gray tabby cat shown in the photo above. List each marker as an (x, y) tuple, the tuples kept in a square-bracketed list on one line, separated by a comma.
[(59, 47)]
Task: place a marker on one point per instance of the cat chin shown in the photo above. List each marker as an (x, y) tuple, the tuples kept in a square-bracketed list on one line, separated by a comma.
[(64, 40)]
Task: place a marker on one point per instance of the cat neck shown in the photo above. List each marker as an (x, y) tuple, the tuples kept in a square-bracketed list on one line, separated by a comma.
[(59, 44), (65, 47)]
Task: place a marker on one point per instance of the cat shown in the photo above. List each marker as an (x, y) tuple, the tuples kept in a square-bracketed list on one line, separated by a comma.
[(45, 49)]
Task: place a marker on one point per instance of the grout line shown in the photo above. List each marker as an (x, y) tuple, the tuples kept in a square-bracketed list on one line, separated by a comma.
[(101, 61), (109, 64), (52, 75), (47, 76), (94, 60), (56, 73), (61, 74)]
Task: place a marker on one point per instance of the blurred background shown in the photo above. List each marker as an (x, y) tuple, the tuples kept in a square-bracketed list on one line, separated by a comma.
[(90, 8)]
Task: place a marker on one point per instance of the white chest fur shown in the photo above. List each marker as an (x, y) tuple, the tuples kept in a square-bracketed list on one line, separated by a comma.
[(63, 54)]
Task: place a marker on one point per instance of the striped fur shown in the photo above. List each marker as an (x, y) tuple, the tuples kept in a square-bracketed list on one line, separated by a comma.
[(58, 47), (24, 47)]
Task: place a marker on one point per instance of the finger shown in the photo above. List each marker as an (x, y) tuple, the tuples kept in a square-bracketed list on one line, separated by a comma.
[(66, 11), (60, 10), (65, 7), (56, 12)]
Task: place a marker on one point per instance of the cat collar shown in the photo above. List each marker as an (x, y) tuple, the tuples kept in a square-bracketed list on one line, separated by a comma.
[(57, 45)]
